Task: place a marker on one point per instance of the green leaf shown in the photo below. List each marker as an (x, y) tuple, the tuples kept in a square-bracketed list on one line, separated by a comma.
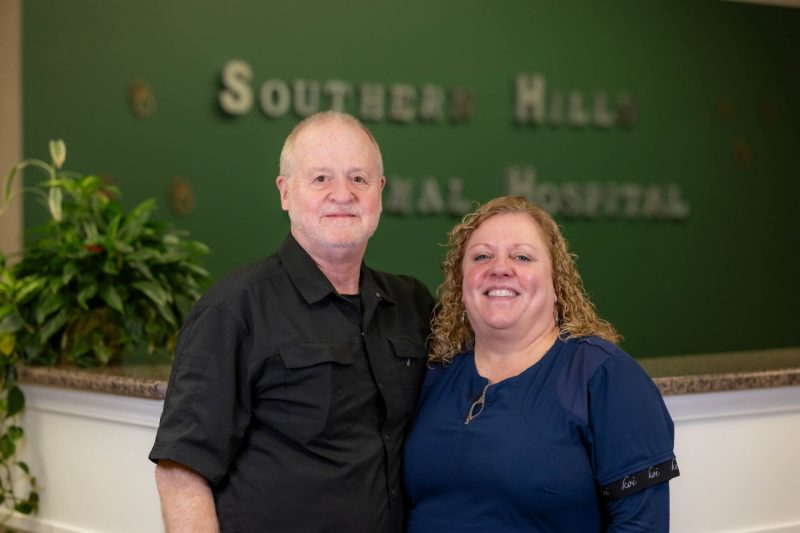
[(30, 285), (110, 266), (110, 295), (142, 255), (11, 323), (86, 294), (54, 284), (91, 232), (197, 269), (7, 447), (136, 219), (8, 342), (23, 508), (31, 348), (49, 304), (197, 247), (52, 326), (15, 432), (143, 269), (102, 352), (69, 271), (80, 346), (24, 467), (168, 315), (16, 401), (6, 280), (111, 231), (154, 291), (123, 247)]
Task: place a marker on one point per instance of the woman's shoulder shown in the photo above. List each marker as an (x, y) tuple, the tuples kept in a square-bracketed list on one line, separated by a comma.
[(584, 355), (584, 361), (596, 364)]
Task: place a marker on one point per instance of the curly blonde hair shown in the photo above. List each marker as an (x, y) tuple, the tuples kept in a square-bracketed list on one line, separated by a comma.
[(576, 316)]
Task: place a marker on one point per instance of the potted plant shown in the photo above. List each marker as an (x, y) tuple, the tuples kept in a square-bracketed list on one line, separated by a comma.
[(101, 281), (97, 282)]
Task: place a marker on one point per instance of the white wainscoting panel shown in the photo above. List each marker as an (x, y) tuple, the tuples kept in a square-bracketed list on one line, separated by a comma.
[(89, 453), (738, 454)]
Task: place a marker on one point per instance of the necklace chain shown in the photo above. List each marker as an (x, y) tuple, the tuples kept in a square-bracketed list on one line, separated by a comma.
[(477, 406)]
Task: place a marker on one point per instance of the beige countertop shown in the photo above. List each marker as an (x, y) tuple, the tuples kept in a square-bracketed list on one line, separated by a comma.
[(679, 374)]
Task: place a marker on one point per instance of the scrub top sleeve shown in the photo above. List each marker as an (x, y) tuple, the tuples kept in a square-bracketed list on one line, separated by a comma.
[(646, 511), (632, 432), (207, 407)]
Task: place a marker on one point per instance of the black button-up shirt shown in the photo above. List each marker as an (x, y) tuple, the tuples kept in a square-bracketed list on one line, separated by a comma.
[(293, 409)]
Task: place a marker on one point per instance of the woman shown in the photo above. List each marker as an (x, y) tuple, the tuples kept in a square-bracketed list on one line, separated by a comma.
[(530, 417)]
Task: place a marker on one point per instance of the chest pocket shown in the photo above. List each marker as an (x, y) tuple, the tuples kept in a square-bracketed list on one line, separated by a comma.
[(318, 393), (409, 358)]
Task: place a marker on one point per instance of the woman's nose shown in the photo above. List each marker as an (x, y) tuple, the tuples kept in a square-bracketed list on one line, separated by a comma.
[(501, 266)]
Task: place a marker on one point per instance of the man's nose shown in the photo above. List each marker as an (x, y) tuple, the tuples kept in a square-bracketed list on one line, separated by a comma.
[(342, 190)]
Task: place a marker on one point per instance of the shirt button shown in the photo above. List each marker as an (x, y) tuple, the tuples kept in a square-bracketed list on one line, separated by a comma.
[(393, 492), (385, 436), (380, 385), (378, 295), (362, 333)]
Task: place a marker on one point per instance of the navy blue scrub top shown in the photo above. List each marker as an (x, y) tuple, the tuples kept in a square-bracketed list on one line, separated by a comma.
[(580, 441)]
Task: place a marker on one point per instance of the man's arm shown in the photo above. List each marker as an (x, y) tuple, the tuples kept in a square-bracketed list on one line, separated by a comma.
[(186, 500)]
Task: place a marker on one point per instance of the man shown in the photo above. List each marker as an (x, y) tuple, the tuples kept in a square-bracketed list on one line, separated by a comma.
[(295, 378)]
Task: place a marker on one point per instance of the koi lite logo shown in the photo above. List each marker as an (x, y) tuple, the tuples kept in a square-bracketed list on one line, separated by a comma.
[(628, 482)]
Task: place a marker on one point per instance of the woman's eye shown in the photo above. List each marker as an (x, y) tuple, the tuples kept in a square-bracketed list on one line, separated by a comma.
[(522, 257), (481, 257)]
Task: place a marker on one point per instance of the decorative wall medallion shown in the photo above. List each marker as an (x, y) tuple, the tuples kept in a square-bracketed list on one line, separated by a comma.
[(725, 109), (181, 198), (742, 152), (141, 99)]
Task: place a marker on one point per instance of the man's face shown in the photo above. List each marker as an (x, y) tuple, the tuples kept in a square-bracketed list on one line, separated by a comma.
[(333, 195)]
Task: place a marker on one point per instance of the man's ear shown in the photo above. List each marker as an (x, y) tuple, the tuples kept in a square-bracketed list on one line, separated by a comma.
[(283, 188), (383, 182)]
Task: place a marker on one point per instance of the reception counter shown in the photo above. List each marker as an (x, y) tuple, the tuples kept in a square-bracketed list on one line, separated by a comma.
[(685, 374), (737, 420)]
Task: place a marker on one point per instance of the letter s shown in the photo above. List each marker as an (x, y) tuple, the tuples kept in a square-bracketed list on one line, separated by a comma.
[(236, 98)]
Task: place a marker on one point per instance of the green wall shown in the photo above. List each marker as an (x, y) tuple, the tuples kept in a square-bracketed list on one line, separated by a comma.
[(715, 86)]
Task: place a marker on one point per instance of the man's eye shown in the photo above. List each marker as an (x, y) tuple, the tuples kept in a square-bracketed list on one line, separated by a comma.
[(361, 181), (321, 179)]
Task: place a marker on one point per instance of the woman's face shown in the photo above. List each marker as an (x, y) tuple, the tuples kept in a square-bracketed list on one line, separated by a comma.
[(508, 278)]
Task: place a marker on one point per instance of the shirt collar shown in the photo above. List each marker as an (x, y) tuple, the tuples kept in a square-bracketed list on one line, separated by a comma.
[(312, 283)]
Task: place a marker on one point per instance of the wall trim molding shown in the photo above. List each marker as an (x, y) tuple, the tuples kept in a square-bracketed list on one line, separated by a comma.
[(727, 404), (94, 405)]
